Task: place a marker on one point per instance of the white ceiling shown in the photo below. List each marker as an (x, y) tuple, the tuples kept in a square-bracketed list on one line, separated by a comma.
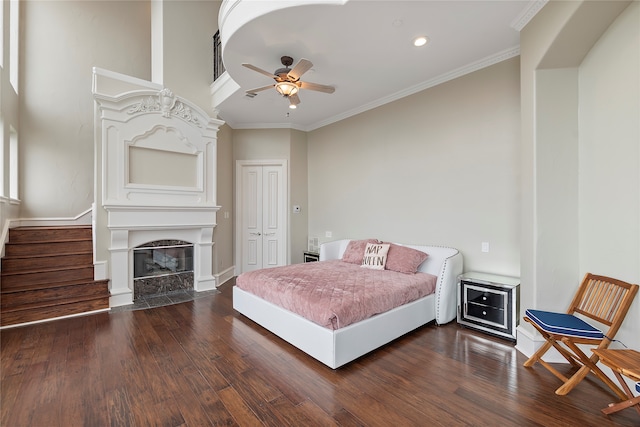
[(364, 49)]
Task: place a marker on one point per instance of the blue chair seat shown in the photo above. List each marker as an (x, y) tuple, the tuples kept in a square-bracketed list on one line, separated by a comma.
[(638, 387), (563, 324)]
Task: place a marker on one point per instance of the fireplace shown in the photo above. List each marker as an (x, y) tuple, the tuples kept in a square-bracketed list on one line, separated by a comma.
[(161, 267), (133, 256), (155, 182)]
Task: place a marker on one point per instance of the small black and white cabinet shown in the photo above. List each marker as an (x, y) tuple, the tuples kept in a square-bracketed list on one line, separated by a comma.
[(489, 303)]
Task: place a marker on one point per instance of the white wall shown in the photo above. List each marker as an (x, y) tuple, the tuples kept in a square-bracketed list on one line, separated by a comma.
[(580, 154), (609, 172), (8, 118), (556, 185), (439, 167)]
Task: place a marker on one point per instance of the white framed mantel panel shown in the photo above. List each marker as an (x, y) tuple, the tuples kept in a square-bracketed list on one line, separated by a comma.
[(155, 175)]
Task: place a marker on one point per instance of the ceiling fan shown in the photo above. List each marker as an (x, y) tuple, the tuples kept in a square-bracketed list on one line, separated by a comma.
[(287, 79)]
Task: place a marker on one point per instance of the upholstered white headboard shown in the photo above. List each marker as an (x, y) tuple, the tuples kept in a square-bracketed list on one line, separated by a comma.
[(443, 262)]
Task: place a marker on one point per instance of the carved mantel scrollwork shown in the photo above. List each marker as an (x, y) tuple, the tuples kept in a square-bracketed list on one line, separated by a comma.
[(166, 103), (147, 105)]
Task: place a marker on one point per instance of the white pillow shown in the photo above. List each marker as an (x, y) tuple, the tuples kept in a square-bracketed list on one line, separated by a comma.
[(375, 256)]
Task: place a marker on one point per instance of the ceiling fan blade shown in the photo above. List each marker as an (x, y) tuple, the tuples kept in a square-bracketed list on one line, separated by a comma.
[(294, 100), (258, 89), (300, 68), (260, 70), (317, 87)]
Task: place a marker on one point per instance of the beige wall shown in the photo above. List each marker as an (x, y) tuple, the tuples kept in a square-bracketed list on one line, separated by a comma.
[(581, 155), (439, 167), (187, 49), (223, 237), (298, 178), (62, 41), (259, 144)]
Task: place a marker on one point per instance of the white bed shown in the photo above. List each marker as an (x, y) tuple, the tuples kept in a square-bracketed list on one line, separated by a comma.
[(337, 347)]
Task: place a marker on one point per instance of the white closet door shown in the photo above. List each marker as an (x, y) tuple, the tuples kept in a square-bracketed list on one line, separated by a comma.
[(251, 218), (263, 210), (273, 245)]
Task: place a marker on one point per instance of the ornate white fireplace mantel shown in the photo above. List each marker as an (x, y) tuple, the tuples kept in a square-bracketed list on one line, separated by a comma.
[(155, 176)]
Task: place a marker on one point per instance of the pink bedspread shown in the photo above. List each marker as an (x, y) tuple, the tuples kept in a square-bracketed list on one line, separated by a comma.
[(335, 294)]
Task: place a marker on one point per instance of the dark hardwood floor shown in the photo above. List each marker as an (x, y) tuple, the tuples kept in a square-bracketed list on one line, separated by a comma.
[(199, 363)]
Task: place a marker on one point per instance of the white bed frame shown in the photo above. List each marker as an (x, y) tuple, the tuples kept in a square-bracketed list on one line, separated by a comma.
[(334, 348)]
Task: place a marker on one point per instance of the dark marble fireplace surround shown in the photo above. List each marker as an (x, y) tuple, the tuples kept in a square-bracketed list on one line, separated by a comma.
[(162, 289), (162, 267)]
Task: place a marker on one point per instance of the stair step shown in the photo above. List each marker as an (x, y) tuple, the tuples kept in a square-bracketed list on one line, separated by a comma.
[(48, 272), (25, 249), (27, 263), (40, 234), (59, 295), (11, 317), (45, 278)]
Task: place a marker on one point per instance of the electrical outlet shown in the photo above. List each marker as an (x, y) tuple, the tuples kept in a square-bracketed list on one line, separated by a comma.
[(485, 246), (328, 234)]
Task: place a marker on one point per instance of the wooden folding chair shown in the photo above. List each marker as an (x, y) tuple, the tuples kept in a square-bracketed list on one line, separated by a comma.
[(623, 363), (599, 298)]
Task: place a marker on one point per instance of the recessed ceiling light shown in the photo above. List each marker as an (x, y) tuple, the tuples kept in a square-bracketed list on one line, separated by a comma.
[(420, 41)]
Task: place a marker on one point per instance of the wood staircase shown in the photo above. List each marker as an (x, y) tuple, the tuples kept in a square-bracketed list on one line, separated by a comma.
[(47, 272)]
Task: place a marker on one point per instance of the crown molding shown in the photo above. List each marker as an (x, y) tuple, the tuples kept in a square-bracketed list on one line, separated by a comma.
[(459, 72), (527, 14)]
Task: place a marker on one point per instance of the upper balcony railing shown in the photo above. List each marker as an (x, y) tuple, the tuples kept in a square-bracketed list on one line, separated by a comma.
[(218, 65)]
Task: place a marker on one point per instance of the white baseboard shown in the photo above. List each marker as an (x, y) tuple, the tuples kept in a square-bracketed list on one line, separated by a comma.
[(205, 283), (225, 276), (68, 316), (528, 343), (82, 219), (125, 298)]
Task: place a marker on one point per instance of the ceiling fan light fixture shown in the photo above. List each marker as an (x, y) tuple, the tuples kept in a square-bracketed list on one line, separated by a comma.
[(286, 88), (420, 41), (293, 106)]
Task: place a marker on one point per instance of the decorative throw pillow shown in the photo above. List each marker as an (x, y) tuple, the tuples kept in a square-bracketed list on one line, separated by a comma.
[(404, 260), (355, 250), (375, 256)]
